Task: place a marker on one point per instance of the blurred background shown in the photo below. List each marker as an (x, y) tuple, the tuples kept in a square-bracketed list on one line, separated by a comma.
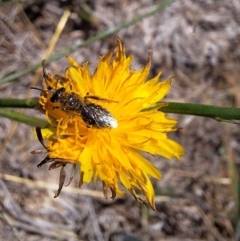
[(198, 42)]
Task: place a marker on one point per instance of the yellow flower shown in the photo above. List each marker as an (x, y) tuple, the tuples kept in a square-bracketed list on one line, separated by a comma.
[(105, 120)]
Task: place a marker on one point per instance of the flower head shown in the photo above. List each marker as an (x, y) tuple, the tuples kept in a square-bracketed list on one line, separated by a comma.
[(104, 121)]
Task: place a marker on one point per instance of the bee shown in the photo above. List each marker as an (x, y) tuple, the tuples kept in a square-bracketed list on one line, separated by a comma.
[(92, 114)]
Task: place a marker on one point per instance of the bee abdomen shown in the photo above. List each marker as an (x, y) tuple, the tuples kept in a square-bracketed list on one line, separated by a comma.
[(98, 117)]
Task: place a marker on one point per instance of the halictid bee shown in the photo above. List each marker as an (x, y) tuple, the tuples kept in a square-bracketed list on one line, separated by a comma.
[(92, 114)]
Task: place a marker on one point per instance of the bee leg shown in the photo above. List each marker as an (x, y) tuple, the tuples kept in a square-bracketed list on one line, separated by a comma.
[(98, 98)]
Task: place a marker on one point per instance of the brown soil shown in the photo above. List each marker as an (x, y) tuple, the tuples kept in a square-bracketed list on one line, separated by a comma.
[(198, 42)]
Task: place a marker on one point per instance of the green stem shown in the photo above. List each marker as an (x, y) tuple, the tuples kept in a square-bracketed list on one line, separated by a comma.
[(20, 117), (216, 112), (19, 103), (102, 35)]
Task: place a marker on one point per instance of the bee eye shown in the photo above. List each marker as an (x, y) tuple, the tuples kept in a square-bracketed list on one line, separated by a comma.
[(57, 95), (54, 98)]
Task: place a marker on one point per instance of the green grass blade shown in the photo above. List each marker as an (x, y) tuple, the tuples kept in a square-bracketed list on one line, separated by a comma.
[(69, 50)]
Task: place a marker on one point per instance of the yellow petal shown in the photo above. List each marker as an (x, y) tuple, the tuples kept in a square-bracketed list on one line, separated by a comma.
[(113, 155)]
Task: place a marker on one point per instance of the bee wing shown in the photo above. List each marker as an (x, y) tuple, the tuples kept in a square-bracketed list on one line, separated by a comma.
[(98, 116)]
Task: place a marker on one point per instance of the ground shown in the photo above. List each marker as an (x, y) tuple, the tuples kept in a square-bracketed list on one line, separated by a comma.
[(196, 41)]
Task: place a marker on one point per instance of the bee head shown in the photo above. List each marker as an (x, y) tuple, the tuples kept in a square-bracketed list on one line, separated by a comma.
[(57, 95)]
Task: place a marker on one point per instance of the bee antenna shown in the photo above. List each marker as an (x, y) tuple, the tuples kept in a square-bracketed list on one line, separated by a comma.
[(35, 88)]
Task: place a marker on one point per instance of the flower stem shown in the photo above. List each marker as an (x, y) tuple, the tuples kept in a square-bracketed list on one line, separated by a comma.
[(23, 118), (215, 112), (19, 103)]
